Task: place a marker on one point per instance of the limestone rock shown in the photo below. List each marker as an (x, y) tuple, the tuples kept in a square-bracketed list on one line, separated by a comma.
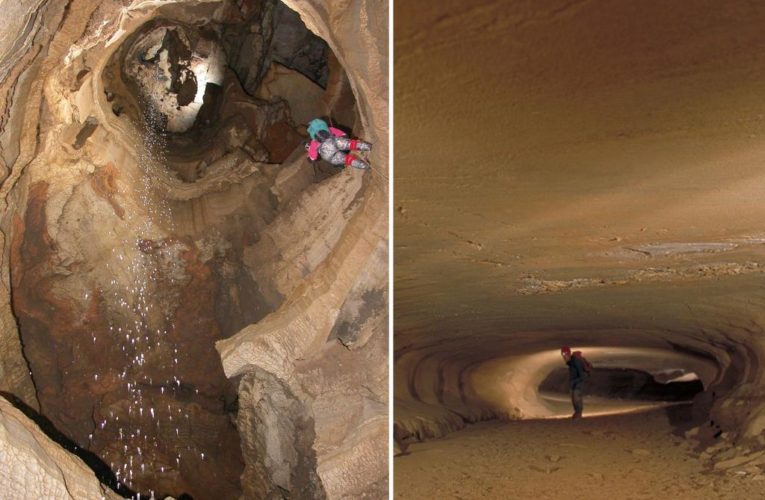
[(738, 460), (513, 238), (33, 466), (150, 214), (304, 96)]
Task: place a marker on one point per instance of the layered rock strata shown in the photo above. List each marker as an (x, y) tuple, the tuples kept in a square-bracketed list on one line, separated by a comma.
[(138, 235), (34, 466), (582, 174)]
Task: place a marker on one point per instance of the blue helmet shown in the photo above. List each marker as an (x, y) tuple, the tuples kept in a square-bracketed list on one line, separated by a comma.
[(316, 125)]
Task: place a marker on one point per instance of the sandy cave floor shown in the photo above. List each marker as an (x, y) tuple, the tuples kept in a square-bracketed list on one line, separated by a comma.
[(633, 456)]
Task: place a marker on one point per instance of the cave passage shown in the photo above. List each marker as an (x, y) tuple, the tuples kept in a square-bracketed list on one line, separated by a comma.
[(161, 259), (625, 383), (590, 175), (625, 380)]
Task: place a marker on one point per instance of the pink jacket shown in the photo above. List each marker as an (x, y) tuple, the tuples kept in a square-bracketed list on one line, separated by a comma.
[(313, 148)]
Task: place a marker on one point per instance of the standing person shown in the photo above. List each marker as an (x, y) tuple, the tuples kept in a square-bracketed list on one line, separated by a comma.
[(331, 144), (576, 376)]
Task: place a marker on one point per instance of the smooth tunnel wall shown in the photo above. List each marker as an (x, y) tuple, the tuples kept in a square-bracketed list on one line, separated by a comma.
[(442, 388)]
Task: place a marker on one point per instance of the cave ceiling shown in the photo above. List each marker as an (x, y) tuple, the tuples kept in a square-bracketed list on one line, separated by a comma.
[(576, 168)]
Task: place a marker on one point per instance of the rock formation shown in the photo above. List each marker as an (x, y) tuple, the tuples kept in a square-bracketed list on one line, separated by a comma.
[(33, 466), (583, 174), (157, 202)]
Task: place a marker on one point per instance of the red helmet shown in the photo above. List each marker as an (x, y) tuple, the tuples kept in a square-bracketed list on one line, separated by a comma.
[(565, 350)]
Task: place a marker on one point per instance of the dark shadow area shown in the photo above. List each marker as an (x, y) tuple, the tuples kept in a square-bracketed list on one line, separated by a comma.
[(102, 471), (622, 383), (681, 418), (685, 418)]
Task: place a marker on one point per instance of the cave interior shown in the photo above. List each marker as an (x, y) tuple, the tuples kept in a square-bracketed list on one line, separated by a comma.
[(590, 178), (156, 228)]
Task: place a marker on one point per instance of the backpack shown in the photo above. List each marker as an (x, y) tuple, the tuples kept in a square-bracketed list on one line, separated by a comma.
[(587, 365)]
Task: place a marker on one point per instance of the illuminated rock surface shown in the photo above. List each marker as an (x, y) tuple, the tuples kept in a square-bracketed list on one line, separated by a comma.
[(154, 207), (33, 466), (584, 174)]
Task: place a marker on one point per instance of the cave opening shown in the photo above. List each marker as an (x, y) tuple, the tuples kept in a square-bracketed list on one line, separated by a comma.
[(214, 104), (627, 384), (243, 83)]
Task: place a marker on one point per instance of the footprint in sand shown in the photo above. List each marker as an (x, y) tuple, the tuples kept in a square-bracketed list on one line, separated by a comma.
[(545, 470)]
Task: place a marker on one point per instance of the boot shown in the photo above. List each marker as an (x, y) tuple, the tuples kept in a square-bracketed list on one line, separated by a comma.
[(363, 146), (359, 163)]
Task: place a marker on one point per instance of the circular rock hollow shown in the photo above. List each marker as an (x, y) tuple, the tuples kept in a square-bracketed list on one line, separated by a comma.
[(449, 387), (622, 380), (174, 211), (202, 90)]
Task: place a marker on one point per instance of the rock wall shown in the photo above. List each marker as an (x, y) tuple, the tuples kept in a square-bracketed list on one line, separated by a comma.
[(33, 466), (285, 347), (442, 387), (129, 252), (583, 174)]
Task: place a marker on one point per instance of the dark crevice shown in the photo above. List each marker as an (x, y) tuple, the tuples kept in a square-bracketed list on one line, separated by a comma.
[(626, 384)]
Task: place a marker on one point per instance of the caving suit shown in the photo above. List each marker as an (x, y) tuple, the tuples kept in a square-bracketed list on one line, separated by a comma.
[(331, 144)]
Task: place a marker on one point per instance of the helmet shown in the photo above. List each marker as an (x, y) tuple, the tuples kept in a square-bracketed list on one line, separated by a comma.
[(315, 125), (565, 350)]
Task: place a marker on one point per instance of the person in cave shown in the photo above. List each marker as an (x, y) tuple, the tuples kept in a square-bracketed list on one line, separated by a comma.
[(334, 146), (576, 376)]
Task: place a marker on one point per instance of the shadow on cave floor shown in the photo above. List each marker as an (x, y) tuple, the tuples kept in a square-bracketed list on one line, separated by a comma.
[(102, 471), (694, 417), (682, 418)]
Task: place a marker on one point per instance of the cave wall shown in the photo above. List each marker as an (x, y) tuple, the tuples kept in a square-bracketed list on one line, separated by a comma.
[(98, 240), (593, 179), (33, 465), (285, 347), (441, 387), (21, 93)]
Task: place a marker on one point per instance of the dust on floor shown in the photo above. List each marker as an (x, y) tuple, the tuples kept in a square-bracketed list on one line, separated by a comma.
[(634, 456)]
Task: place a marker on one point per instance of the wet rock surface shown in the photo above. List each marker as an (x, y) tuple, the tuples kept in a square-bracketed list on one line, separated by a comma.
[(133, 245)]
